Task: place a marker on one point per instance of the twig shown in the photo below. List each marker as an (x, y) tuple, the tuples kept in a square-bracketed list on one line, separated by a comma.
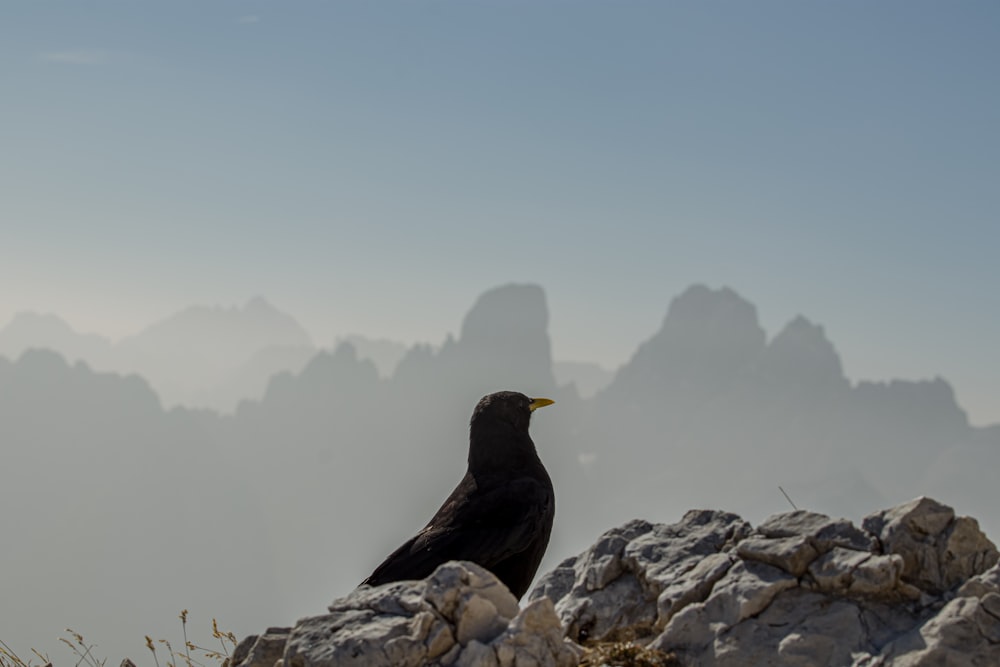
[(187, 651), (787, 498)]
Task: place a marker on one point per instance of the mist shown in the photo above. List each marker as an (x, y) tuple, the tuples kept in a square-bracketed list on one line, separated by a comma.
[(278, 473)]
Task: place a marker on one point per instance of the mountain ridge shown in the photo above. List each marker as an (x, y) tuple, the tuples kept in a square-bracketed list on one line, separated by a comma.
[(247, 367), (291, 483)]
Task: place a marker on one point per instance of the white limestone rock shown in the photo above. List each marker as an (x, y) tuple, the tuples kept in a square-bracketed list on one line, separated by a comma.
[(637, 576), (939, 550), (915, 585), (460, 615)]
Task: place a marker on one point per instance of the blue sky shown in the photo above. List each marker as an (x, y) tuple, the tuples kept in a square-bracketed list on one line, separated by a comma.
[(372, 167)]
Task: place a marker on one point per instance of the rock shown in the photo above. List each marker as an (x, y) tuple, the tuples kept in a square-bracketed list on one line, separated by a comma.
[(859, 574), (915, 585), (878, 576), (460, 615), (798, 628), (242, 650), (261, 651), (791, 554), (965, 632), (638, 575), (745, 591), (938, 550), (822, 532), (980, 585)]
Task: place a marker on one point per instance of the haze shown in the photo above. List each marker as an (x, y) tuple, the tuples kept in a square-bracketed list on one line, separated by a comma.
[(203, 201)]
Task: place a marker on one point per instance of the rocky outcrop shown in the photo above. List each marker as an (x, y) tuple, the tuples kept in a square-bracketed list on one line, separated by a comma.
[(460, 615), (915, 585)]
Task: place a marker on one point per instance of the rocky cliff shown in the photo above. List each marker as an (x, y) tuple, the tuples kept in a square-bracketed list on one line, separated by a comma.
[(913, 585)]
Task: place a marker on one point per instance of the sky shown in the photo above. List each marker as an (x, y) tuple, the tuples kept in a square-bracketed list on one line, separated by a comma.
[(372, 167)]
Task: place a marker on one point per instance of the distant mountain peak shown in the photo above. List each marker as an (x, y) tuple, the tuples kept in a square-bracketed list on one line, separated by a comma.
[(802, 353), (35, 323), (52, 379), (708, 337), (800, 321), (259, 304), (512, 309), (801, 331), (385, 354), (26, 317), (28, 329), (503, 344), (257, 324), (703, 304), (707, 320), (505, 334), (256, 307), (346, 353)]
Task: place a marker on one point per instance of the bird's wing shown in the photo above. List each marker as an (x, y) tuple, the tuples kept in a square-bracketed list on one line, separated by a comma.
[(486, 527)]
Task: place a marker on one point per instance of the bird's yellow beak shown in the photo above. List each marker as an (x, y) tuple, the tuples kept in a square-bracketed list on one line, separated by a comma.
[(539, 403)]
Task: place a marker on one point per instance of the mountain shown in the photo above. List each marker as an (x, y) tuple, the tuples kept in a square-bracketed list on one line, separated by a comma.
[(297, 494), (122, 511), (802, 357), (232, 334), (385, 354), (200, 357), (188, 354), (505, 338), (707, 338), (710, 387), (503, 342), (249, 380), (45, 331)]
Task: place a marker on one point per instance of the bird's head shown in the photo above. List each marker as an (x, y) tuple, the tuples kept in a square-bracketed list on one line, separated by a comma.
[(506, 408), (498, 432)]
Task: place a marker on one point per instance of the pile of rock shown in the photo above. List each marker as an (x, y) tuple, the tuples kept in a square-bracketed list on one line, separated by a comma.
[(460, 615), (915, 585)]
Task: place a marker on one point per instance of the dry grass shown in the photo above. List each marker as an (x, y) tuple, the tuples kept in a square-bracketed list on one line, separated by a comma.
[(83, 652), (626, 654), (596, 654)]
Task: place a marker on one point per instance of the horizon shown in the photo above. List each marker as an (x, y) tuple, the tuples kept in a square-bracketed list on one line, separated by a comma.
[(330, 343)]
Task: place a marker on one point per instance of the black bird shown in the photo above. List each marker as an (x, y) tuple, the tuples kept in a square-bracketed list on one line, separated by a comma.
[(500, 514)]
